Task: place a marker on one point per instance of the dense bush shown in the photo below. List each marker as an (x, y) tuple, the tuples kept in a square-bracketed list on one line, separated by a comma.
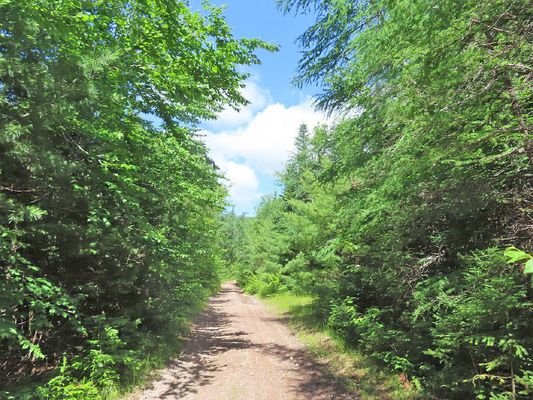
[(396, 218), (108, 203)]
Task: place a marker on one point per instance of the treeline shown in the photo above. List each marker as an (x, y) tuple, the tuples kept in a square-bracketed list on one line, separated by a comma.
[(397, 217), (108, 202)]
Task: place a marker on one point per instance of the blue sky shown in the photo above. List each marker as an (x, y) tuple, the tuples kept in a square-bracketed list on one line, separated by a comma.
[(250, 146)]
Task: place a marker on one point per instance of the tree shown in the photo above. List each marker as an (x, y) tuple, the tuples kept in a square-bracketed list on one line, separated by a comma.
[(107, 219), (429, 176), (298, 164)]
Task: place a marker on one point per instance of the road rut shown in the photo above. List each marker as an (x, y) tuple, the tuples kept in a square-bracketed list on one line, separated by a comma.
[(238, 350)]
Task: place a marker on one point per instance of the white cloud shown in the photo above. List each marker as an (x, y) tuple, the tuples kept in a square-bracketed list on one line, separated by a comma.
[(251, 145), (267, 140), (242, 182), (230, 118)]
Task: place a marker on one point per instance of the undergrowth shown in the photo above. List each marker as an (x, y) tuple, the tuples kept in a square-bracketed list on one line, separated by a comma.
[(359, 373), (107, 371)]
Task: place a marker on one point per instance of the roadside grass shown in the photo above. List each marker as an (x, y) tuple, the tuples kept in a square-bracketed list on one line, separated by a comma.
[(357, 372)]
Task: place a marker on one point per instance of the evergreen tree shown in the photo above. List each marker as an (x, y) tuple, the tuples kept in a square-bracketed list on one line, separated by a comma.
[(107, 220), (298, 164), (400, 230)]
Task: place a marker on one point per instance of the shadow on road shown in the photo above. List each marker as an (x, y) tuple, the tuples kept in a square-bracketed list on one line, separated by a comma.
[(211, 336)]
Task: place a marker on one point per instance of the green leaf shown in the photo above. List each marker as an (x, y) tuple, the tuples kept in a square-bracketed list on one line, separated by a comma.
[(528, 268), (515, 255)]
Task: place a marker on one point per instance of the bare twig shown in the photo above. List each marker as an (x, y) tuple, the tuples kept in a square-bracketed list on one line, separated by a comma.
[(13, 190)]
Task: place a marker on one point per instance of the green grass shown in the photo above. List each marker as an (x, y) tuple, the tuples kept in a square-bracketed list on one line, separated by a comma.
[(352, 369)]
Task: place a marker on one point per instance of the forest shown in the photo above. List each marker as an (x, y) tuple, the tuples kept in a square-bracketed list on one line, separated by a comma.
[(108, 220), (408, 220)]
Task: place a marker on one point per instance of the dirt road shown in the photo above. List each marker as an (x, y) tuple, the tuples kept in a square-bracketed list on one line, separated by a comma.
[(238, 350)]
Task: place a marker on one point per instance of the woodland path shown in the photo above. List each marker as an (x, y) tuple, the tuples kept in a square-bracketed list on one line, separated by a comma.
[(238, 350)]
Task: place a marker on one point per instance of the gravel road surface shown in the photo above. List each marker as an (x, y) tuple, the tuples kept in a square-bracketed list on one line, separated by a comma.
[(238, 350)]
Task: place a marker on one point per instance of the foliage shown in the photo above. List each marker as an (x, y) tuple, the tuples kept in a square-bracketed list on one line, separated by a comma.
[(348, 367), (108, 203), (515, 255), (396, 218)]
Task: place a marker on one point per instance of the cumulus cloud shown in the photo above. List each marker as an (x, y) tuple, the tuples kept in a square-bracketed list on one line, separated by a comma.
[(250, 146), (230, 118), (242, 182), (267, 140)]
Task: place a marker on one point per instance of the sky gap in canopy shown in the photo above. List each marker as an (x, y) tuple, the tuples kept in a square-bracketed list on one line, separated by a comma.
[(251, 145)]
